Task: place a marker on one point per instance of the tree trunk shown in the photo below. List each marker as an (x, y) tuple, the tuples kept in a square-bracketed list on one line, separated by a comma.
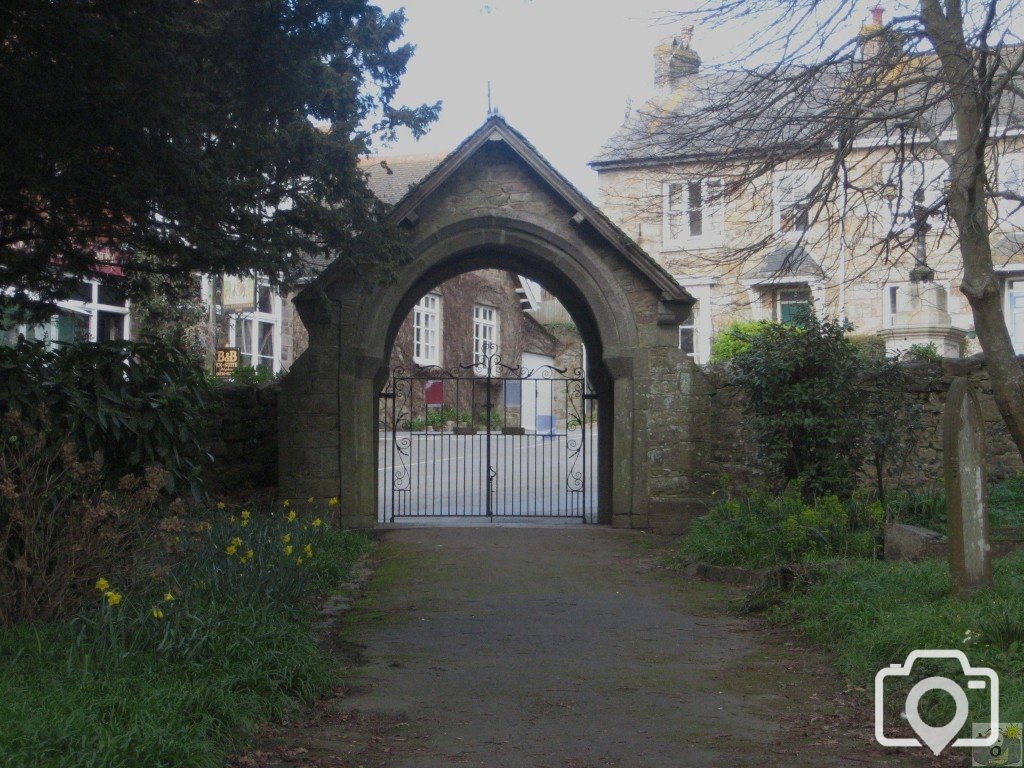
[(968, 207)]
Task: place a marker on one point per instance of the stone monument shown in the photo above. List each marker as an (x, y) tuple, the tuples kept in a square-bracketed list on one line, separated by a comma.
[(963, 439)]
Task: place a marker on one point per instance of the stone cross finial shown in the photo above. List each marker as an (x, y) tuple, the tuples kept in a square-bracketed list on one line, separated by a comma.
[(963, 441), (686, 36)]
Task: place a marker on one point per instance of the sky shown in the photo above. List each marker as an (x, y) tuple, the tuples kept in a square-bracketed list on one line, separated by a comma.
[(561, 71)]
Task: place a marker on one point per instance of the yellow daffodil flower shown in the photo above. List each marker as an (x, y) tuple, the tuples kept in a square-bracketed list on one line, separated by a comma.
[(157, 613), (286, 503), (298, 561), (317, 523), (286, 538), (309, 500), (221, 505), (168, 597), (236, 541), (334, 502), (292, 516), (288, 550), (231, 549), (102, 585), (246, 514), (113, 598)]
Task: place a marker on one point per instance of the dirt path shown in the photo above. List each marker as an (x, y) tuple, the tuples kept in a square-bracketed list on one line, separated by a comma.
[(566, 647)]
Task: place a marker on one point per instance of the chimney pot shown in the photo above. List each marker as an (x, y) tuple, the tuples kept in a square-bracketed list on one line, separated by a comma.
[(877, 15), (686, 36)]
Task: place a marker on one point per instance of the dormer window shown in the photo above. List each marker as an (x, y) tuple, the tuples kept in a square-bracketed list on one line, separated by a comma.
[(693, 213)]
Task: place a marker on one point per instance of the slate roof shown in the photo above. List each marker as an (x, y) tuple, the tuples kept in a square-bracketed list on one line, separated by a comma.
[(496, 128), (391, 177), (715, 113), (786, 261)]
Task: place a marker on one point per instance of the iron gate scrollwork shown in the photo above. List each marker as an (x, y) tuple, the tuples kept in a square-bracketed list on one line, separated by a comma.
[(487, 440)]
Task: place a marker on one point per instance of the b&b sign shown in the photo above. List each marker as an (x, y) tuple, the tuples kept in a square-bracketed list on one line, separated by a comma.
[(227, 361)]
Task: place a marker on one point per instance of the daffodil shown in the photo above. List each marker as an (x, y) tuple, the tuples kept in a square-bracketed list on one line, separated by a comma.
[(286, 503), (298, 561), (288, 550), (157, 613), (102, 585), (286, 538), (246, 514), (334, 501), (309, 500), (231, 549), (168, 597), (308, 549), (292, 516), (244, 523), (236, 541), (317, 522), (113, 598), (221, 505)]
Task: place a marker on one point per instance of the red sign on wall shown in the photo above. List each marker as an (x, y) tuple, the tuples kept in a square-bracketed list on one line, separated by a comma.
[(434, 393)]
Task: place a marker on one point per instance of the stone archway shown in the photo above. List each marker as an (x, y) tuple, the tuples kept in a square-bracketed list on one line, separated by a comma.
[(495, 202)]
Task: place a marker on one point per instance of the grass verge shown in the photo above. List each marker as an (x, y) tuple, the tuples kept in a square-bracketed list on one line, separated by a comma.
[(179, 665), (870, 614)]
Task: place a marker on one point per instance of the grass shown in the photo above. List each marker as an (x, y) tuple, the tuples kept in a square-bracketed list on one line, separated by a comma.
[(870, 614), (760, 531), (927, 507), (185, 681)]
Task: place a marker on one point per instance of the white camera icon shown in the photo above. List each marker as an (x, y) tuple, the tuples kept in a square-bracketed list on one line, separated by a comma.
[(938, 738)]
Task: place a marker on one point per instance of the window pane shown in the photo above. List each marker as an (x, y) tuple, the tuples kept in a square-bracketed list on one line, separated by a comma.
[(83, 292), (266, 331), (696, 209), (109, 326), (264, 299), (72, 326), (111, 294), (686, 339)]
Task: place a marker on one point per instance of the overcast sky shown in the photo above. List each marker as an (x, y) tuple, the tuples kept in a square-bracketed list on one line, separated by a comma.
[(561, 71)]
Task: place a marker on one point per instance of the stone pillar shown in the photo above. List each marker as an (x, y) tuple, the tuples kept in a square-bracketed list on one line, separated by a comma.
[(622, 454), (925, 321), (963, 437)]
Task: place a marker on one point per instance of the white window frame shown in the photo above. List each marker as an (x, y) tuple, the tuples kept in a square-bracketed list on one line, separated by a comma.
[(701, 322), (92, 308), (486, 331), (253, 320), (803, 181), (1008, 293), (912, 176), (426, 322), (711, 209), (1011, 212)]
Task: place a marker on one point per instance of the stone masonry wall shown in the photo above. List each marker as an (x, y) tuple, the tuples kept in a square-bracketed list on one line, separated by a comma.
[(241, 436), (732, 456)]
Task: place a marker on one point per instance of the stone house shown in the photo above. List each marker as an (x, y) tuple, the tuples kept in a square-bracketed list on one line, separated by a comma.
[(753, 252)]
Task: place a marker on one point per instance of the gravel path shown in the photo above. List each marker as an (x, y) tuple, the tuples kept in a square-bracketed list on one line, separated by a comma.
[(566, 647)]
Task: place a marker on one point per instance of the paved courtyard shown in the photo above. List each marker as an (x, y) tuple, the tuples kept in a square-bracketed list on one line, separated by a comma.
[(566, 647), (439, 476)]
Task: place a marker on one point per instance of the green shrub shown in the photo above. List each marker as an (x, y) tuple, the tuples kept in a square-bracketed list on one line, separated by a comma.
[(135, 403), (736, 339), (246, 374), (820, 407), (927, 353), (761, 530)]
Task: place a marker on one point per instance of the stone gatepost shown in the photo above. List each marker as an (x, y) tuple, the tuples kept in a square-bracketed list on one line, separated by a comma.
[(963, 436)]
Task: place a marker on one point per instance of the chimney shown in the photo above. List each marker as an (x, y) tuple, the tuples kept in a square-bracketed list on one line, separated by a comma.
[(675, 59), (872, 34)]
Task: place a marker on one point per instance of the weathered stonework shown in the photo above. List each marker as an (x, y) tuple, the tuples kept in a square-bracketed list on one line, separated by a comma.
[(496, 203), (241, 436)]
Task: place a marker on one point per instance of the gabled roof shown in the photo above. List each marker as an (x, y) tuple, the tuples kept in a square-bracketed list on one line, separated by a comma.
[(495, 128)]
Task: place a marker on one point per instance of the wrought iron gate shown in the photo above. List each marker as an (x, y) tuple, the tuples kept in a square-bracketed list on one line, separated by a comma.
[(487, 440)]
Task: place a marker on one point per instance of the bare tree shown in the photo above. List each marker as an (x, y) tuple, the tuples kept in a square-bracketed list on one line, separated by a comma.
[(870, 117)]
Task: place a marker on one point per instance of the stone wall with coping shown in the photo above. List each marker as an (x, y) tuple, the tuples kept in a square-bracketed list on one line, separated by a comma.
[(732, 458), (241, 436)]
